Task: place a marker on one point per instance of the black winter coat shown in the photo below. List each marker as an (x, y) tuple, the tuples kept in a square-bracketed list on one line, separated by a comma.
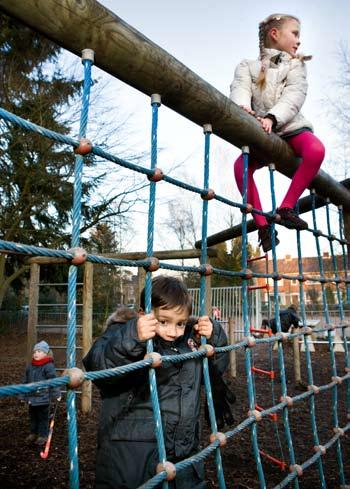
[(127, 452), (37, 373), (288, 318)]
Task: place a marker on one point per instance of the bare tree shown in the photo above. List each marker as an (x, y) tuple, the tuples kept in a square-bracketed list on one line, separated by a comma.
[(338, 103), (181, 223)]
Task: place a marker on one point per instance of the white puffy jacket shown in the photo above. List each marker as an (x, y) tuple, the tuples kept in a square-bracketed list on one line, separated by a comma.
[(283, 94)]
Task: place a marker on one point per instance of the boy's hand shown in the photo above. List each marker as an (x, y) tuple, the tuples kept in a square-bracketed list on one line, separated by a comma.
[(146, 326), (204, 327), (266, 124)]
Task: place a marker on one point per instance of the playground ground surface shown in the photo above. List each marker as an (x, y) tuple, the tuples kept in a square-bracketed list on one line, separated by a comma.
[(22, 467)]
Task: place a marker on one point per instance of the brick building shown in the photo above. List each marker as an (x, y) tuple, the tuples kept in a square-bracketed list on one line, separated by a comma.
[(288, 289)]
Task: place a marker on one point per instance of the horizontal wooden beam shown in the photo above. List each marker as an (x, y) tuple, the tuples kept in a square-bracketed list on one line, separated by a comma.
[(133, 255), (163, 255), (126, 54)]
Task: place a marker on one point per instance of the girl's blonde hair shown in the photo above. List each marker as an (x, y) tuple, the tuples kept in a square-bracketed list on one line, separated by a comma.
[(274, 20)]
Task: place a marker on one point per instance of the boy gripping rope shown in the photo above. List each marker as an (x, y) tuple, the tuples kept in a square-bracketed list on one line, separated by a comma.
[(127, 453)]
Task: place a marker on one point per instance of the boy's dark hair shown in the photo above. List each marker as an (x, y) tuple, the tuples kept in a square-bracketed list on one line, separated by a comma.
[(169, 292)]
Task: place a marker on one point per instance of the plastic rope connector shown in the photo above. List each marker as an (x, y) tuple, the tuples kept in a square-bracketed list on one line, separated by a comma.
[(338, 431), (76, 377), (251, 341), (296, 468), (153, 264), (156, 176), (284, 337), (206, 269), (320, 448), (247, 274), (255, 413), (247, 209), (84, 148), (210, 350), (314, 388), (337, 379), (156, 359), (288, 400), (208, 194), (79, 255), (167, 467), (218, 436)]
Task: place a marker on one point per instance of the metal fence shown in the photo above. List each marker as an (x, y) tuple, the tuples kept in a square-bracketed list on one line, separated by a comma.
[(227, 304)]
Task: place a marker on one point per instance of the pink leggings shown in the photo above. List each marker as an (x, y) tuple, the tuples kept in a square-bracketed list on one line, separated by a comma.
[(305, 145)]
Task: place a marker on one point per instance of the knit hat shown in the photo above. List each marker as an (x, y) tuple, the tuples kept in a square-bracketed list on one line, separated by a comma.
[(42, 346)]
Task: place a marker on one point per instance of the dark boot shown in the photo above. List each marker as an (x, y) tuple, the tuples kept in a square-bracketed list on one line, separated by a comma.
[(265, 239), (41, 440), (290, 219)]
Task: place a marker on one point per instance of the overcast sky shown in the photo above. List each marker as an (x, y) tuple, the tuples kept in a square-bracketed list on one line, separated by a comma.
[(211, 38)]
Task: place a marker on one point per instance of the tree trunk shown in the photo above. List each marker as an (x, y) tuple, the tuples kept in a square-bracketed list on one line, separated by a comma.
[(5, 282)]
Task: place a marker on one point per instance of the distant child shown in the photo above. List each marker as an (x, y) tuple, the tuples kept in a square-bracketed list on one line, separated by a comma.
[(273, 89), (40, 368), (127, 453)]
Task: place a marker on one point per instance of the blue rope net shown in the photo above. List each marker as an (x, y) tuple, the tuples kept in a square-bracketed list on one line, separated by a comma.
[(248, 342)]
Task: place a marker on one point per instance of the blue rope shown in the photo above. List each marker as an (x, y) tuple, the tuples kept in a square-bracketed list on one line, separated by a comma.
[(72, 285), (203, 309), (330, 344), (309, 365), (148, 288), (248, 356), (279, 329)]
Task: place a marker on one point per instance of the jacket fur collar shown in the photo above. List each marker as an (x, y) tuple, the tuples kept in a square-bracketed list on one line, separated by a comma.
[(276, 56)]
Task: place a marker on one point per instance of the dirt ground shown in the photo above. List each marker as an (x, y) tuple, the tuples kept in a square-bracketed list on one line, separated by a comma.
[(22, 467)]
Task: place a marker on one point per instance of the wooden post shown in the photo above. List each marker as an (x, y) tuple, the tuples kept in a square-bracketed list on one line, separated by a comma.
[(232, 340), (32, 332), (87, 331), (296, 352)]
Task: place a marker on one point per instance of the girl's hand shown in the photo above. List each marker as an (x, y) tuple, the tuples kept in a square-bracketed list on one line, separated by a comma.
[(204, 327), (266, 124), (247, 109), (146, 327)]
